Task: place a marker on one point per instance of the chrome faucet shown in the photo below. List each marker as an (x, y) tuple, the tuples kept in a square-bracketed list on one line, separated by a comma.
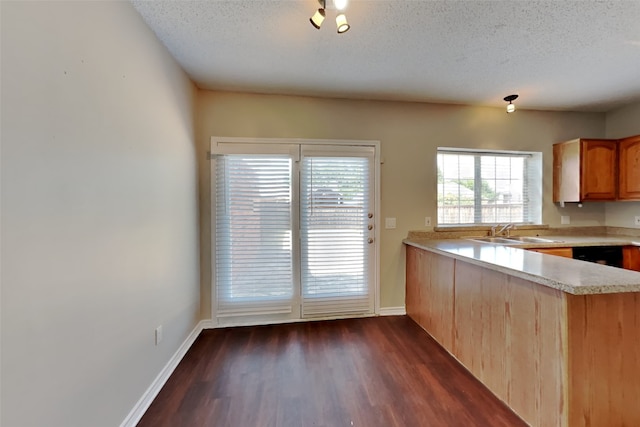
[(505, 229)]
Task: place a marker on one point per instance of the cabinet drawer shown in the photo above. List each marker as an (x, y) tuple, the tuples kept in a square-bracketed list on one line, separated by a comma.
[(565, 252)]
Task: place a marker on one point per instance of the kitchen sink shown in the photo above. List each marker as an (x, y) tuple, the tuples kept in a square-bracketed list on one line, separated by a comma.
[(500, 240), (527, 239), (513, 240)]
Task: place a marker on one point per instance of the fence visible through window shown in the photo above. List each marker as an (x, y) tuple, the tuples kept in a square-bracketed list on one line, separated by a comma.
[(479, 187)]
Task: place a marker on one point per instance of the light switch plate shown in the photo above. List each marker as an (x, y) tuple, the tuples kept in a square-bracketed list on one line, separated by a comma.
[(427, 221), (638, 221), (389, 223), (565, 219)]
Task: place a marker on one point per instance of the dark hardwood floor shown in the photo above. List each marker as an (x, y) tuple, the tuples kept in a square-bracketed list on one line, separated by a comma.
[(383, 371)]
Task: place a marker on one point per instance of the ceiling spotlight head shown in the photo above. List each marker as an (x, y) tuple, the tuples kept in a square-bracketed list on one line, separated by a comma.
[(510, 107), (317, 18), (342, 24)]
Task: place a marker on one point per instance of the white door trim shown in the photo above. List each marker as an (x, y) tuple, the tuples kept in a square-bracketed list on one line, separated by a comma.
[(217, 146)]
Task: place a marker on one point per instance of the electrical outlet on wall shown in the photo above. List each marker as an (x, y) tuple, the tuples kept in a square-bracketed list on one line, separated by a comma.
[(637, 221), (427, 221), (565, 219)]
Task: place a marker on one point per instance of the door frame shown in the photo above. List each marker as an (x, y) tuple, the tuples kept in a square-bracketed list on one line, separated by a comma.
[(217, 146)]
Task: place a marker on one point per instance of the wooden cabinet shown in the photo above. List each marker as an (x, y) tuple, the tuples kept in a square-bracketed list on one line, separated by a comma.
[(429, 293), (631, 258), (629, 175), (585, 169), (564, 252), (556, 359), (509, 333), (413, 301), (596, 170)]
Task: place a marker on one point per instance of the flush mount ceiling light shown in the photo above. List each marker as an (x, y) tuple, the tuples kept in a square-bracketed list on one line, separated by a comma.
[(341, 20), (510, 106)]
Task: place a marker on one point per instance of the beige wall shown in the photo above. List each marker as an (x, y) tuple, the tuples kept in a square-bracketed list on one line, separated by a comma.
[(99, 212), (620, 123), (624, 121), (409, 135)]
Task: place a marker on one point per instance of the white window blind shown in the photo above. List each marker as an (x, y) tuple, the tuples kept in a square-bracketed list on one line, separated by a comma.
[(254, 261), (488, 187), (335, 254)]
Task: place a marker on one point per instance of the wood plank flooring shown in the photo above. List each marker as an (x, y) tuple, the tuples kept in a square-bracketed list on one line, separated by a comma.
[(383, 371)]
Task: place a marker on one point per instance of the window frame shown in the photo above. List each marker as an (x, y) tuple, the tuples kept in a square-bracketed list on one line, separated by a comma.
[(532, 185), (244, 145)]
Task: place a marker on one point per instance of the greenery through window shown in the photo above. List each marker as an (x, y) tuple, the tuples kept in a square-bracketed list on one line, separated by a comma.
[(488, 187)]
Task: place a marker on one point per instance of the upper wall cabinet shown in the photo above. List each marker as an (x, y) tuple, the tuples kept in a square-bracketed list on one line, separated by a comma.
[(585, 169), (629, 179), (597, 170)]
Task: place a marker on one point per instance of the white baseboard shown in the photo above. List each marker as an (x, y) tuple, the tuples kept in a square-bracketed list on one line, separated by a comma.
[(208, 324), (392, 311), (147, 398)]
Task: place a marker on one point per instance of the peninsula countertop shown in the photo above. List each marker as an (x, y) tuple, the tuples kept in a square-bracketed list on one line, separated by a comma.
[(565, 274)]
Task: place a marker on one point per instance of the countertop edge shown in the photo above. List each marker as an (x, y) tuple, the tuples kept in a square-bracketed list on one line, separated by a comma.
[(629, 280)]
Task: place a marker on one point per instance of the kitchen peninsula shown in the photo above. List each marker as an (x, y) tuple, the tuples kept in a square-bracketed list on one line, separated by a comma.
[(557, 339)]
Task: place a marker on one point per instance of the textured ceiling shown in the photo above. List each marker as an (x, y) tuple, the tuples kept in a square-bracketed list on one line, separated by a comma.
[(557, 55)]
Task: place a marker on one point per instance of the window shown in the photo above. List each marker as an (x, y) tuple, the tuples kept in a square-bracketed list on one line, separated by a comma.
[(488, 187)]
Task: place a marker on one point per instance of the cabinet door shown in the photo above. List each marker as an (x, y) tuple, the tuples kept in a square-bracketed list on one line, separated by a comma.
[(564, 252), (629, 179), (631, 257), (598, 169), (566, 171)]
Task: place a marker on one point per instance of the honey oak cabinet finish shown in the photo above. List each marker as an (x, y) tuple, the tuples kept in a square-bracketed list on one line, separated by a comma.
[(629, 175), (604, 357), (415, 265), (585, 169), (556, 359), (429, 294), (631, 257), (564, 252), (509, 334)]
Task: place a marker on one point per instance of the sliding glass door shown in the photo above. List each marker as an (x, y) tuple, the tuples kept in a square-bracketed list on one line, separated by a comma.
[(336, 226), (293, 231), (254, 251)]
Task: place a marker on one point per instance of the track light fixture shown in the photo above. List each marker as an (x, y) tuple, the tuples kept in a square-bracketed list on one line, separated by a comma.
[(318, 17), (510, 106), (342, 24), (341, 20)]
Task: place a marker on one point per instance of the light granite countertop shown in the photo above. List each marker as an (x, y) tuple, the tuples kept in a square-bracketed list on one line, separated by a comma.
[(566, 274)]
